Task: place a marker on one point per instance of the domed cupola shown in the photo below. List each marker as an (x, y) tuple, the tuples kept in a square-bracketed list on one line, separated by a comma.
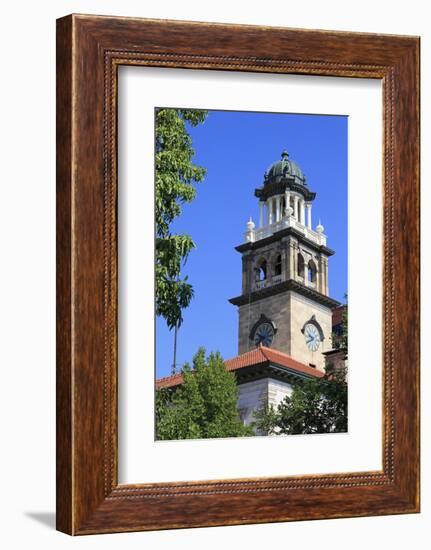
[(282, 175), (283, 169)]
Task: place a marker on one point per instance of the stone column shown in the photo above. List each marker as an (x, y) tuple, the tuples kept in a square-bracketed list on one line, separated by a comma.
[(325, 263), (302, 211), (293, 260), (268, 211), (245, 275), (261, 205), (319, 278), (308, 206), (287, 199), (284, 262), (277, 208), (295, 207), (323, 276)]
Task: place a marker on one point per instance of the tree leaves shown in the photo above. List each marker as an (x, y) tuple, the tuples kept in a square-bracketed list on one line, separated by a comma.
[(316, 406), (175, 178), (173, 294), (204, 406)]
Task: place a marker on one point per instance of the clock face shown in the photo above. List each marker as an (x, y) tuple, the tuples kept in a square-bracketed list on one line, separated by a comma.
[(312, 337), (264, 334)]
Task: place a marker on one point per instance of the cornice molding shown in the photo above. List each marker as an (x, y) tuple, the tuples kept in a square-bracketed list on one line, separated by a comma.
[(284, 287), (278, 236)]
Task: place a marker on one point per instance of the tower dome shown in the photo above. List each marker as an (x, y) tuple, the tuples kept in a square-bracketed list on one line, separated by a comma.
[(284, 174), (285, 168)]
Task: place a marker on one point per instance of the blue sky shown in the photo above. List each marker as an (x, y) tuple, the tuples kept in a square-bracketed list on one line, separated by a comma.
[(236, 148)]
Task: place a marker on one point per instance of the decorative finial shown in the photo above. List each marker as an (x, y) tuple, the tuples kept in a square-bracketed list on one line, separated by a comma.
[(320, 228), (285, 155), (250, 224)]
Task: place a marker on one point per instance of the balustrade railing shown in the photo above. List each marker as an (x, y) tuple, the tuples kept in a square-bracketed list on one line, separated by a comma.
[(269, 230), (264, 283)]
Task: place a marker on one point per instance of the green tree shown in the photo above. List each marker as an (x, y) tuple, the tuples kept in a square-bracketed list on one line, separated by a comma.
[(204, 406), (317, 405), (266, 420), (175, 178)]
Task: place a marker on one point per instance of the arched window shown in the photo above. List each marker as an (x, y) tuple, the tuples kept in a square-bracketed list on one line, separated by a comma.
[(312, 270), (261, 271), (277, 265), (300, 265)]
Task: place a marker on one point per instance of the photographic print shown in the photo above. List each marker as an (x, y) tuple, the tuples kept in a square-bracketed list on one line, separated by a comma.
[(251, 274)]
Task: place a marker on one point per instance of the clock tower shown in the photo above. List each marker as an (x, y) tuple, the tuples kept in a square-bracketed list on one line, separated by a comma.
[(285, 302)]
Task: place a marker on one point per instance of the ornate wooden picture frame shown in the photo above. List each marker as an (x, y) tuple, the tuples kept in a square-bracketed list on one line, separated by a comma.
[(89, 51)]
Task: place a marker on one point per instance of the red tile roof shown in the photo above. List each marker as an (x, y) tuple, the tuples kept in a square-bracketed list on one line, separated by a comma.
[(256, 356), (263, 354), (169, 381)]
